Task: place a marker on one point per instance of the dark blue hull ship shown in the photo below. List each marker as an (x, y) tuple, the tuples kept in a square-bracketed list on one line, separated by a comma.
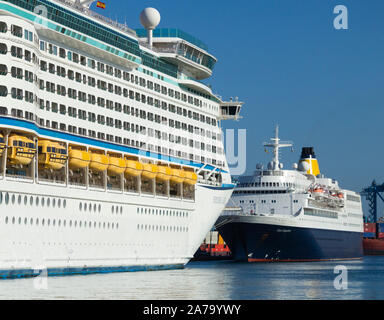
[(255, 242)]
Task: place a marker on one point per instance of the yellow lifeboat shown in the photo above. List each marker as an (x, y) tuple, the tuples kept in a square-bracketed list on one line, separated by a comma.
[(190, 177), (52, 155), (21, 149), (78, 159), (2, 144), (178, 175), (116, 165), (99, 162), (149, 170), (133, 168), (164, 173)]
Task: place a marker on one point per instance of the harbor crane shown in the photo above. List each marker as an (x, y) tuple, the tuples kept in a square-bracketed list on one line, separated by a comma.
[(371, 193)]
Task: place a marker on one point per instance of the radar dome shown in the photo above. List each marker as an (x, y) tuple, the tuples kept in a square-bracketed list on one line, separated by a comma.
[(150, 18), (304, 166)]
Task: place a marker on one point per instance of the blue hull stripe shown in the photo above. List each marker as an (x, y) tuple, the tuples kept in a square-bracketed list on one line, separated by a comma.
[(263, 242), (29, 273), (223, 187), (96, 143)]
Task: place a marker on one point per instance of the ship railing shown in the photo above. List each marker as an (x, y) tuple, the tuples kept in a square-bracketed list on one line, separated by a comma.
[(88, 12)]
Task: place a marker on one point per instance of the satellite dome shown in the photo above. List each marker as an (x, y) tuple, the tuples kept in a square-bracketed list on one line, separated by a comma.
[(150, 18), (304, 166)]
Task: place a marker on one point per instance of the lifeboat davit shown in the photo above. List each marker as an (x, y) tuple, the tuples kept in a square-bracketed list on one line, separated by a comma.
[(178, 176), (51, 155), (116, 165), (78, 159), (133, 168), (164, 173), (190, 177), (21, 149), (99, 162), (149, 170)]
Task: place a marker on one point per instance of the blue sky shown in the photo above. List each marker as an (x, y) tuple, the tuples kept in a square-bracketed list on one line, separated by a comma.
[(285, 60)]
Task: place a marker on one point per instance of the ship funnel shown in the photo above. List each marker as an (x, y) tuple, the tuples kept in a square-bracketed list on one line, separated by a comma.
[(308, 156)]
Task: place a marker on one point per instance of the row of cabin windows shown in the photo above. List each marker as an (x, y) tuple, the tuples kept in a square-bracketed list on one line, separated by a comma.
[(28, 35), (82, 96), (107, 137), (113, 105), (266, 184), (103, 85), (118, 73)]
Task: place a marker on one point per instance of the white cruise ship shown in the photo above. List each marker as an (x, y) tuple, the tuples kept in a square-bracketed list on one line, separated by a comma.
[(111, 149), (292, 215)]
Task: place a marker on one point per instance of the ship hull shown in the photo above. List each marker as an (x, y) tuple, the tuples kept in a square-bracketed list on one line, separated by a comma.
[(256, 242), (373, 247), (130, 232)]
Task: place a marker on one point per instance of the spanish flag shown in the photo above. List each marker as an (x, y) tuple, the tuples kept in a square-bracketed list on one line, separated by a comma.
[(100, 5)]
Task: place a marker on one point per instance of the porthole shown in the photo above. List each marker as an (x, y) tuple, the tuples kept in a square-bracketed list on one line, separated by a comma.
[(19, 220), (6, 220), (85, 207), (121, 210), (70, 223), (42, 222), (53, 202), (75, 223), (117, 225), (37, 201), (48, 202), (25, 221), (80, 224), (113, 209), (13, 220), (31, 221), (25, 200), (64, 203), (19, 199), (37, 221), (59, 203), (31, 200), (90, 207), (7, 198), (94, 224), (53, 222), (42, 201), (48, 222), (80, 206), (94, 207), (99, 208), (64, 223), (13, 199), (59, 223)]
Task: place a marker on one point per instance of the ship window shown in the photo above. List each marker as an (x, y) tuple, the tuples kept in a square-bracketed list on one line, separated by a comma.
[(3, 91), (3, 27)]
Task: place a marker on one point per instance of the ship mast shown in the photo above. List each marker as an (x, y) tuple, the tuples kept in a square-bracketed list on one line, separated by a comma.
[(276, 145)]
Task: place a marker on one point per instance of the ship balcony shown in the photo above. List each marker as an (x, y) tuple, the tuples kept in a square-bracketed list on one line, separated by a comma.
[(190, 59), (230, 110)]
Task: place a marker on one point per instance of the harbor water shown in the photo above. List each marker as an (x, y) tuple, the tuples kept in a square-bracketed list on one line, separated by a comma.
[(215, 280)]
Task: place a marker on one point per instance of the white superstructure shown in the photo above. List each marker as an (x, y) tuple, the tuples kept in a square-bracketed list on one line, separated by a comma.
[(296, 214), (111, 150)]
